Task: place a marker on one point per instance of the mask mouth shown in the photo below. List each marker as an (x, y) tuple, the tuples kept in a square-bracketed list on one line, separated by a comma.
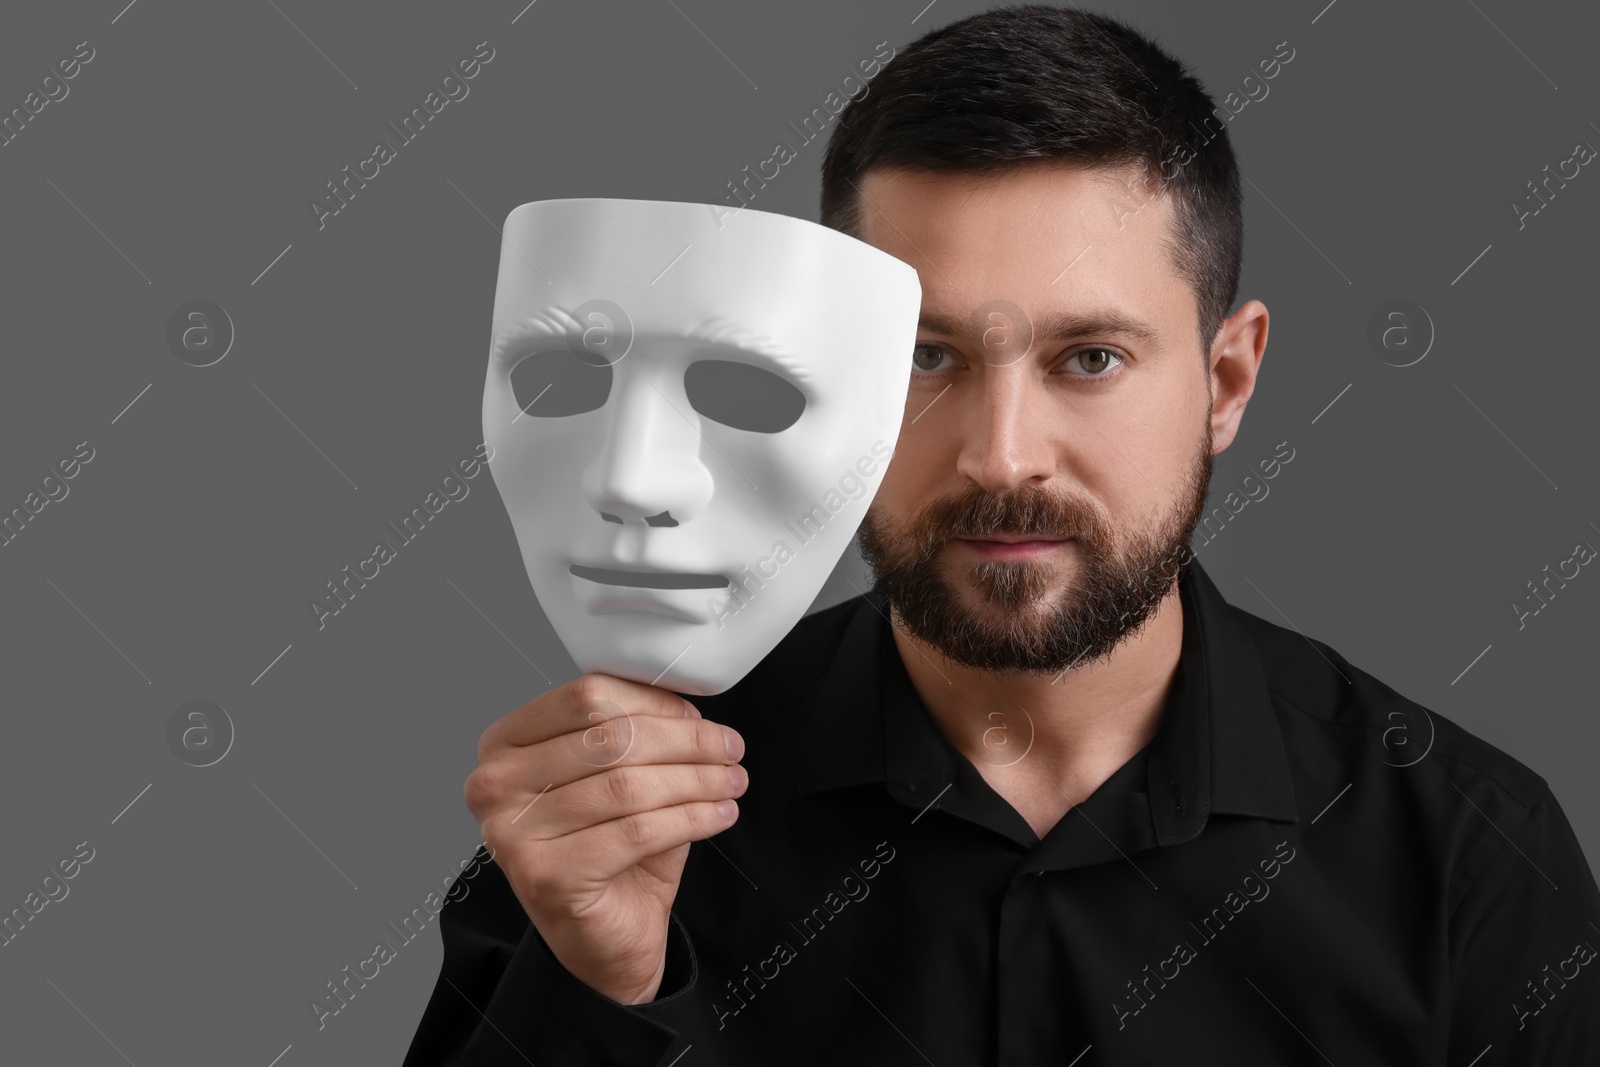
[(649, 579)]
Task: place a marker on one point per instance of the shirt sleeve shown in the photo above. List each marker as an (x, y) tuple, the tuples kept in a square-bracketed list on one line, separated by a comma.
[(1525, 975), (503, 998)]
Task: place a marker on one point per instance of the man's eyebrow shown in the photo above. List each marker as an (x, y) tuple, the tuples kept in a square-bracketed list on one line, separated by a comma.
[(1056, 325)]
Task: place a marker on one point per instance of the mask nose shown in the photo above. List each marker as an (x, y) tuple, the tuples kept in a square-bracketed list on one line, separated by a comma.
[(662, 519), (649, 471)]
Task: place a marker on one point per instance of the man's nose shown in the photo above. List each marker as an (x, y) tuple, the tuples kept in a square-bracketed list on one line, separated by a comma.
[(649, 471), (1010, 429)]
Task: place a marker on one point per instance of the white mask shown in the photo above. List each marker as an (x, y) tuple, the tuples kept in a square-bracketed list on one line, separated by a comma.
[(695, 397)]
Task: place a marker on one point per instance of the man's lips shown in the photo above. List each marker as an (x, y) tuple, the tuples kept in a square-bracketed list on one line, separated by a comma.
[(1014, 539), (1013, 546)]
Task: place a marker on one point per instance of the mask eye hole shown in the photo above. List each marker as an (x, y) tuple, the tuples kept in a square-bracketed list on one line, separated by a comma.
[(743, 396), (558, 383)]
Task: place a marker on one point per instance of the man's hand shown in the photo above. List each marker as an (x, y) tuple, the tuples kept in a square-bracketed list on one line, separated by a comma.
[(588, 797)]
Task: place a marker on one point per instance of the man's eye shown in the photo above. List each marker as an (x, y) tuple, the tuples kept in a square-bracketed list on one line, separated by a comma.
[(926, 357), (1094, 361)]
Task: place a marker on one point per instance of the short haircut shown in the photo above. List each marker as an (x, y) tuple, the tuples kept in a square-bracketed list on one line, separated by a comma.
[(1033, 84)]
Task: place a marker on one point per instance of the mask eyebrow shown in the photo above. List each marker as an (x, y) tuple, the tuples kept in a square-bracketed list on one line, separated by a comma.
[(727, 333), (552, 322), (549, 323)]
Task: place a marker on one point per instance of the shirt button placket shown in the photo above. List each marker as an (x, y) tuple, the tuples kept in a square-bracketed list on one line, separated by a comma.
[(1017, 1043)]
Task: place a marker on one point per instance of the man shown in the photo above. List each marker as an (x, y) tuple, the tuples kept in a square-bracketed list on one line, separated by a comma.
[(1042, 795)]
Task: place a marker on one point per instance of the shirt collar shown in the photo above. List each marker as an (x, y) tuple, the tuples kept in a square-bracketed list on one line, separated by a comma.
[(1218, 747)]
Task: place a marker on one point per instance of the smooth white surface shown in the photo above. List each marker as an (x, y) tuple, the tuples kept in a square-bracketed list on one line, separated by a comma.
[(771, 512)]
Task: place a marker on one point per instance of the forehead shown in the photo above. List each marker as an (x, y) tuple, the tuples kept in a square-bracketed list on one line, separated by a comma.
[(1050, 237)]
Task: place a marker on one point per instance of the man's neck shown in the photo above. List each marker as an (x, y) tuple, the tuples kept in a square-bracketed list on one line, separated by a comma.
[(1046, 742)]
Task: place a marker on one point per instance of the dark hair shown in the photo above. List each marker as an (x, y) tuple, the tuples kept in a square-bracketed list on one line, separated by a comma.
[(1031, 83)]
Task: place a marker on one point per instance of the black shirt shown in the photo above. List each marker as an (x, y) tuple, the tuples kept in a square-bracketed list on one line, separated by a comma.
[(1302, 867)]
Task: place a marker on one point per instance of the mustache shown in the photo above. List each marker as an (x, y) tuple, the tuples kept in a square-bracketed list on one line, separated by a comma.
[(1027, 510)]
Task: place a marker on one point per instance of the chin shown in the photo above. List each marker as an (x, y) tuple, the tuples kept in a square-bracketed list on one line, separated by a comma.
[(1041, 605)]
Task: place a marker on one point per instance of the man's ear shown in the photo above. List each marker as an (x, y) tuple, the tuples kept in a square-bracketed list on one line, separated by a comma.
[(1235, 361)]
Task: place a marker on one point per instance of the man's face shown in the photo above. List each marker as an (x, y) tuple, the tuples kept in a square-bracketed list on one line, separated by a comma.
[(1057, 402)]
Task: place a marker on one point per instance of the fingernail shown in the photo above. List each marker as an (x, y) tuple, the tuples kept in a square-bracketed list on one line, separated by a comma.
[(735, 742), (690, 710), (737, 776), (726, 808)]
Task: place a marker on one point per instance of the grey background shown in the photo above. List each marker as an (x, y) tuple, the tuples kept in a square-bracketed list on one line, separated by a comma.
[(1382, 165)]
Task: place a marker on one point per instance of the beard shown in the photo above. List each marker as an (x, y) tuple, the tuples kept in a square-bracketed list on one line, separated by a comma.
[(1122, 575)]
